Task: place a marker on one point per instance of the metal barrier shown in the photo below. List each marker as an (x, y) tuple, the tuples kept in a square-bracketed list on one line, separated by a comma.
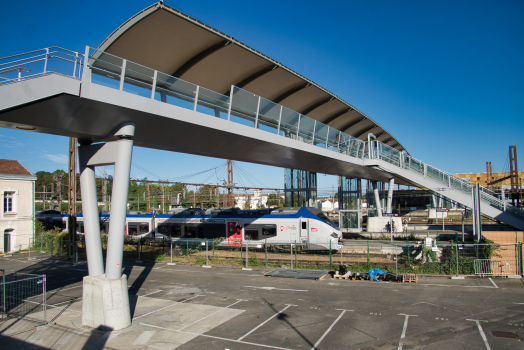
[(492, 267), (23, 296)]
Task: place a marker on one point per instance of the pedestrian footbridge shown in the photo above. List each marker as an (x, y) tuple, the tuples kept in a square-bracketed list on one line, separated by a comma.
[(91, 95)]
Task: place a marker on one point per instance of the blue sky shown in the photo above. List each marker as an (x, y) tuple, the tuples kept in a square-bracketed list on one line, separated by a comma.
[(446, 78)]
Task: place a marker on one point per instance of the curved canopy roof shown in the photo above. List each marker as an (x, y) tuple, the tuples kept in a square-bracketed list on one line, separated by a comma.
[(171, 42)]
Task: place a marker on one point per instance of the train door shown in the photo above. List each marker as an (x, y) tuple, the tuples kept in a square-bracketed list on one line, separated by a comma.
[(234, 233), (304, 229)]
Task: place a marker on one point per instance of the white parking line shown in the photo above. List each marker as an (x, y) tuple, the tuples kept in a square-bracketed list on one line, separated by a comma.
[(165, 307), (67, 301), (404, 329), (219, 338), (203, 318), (493, 282), (263, 323), (482, 331), (329, 329), (273, 288), (150, 293)]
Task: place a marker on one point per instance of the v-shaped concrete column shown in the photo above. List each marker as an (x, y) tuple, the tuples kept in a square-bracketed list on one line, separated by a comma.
[(105, 298)]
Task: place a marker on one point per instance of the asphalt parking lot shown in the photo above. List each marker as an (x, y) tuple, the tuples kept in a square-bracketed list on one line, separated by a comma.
[(190, 307)]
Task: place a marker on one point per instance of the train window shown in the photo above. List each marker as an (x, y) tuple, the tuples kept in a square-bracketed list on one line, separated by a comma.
[(269, 231), (251, 234), (260, 231), (133, 229), (79, 227), (144, 228), (304, 225)]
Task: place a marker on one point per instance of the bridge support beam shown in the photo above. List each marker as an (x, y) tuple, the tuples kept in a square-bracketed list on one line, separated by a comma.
[(105, 296), (377, 198), (390, 196)]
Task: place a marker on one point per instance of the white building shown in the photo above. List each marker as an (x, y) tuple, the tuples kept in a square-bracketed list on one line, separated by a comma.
[(326, 204), (256, 200), (17, 188)]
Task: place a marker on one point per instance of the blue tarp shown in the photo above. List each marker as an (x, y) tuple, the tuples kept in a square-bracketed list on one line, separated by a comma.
[(374, 273)]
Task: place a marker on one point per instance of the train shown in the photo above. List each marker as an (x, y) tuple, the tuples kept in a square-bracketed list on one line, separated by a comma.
[(308, 227)]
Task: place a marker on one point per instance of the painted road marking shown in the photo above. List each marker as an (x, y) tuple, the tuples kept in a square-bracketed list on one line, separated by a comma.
[(165, 307), (493, 282), (203, 318), (219, 338), (404, 329), (481, 331), (144, 338), (151, 293), (330, 327), (273, 288), (263, 323)]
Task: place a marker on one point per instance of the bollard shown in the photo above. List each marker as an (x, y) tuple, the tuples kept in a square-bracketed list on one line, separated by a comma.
[(29, 258), (171, 251), (457, 252), (341, 262), (331, 261), (396, 260), (187, 249), (76, 257), (207, 250), (247, 259), (139, 249), (295, 254), (265, 249), (291, 250)]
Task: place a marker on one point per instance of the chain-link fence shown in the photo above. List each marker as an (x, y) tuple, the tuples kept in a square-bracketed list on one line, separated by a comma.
[(22, 296)]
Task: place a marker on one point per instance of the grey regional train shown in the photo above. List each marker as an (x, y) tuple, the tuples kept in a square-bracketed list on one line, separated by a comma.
[(307, 226)]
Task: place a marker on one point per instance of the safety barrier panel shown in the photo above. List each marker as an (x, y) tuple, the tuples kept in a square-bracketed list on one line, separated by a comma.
[(492, 267), (23, 297)]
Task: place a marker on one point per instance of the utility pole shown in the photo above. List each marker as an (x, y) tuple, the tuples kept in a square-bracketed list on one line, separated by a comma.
[(163, 195), (58, 178), (44, 196), (489, 173), (514, 173), (148, 205), (230, 182), (71, 196), (104, 186)]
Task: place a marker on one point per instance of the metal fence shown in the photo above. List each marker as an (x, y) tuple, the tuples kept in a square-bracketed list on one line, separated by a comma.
[(23, 296), (404, 256)]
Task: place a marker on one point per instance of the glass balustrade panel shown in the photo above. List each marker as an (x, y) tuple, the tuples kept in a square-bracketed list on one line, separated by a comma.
[(174, 91), (289, 123), (345, 144), (268, 116), (333, 138), (306, 129), (321, 135), (244, 107), (212, 103), (105, 69), (138, 79)]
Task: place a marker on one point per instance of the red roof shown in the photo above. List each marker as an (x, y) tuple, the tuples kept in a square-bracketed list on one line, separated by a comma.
[(12, 167)]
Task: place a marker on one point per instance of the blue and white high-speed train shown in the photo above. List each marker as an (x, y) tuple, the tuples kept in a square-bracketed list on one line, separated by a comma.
[(307, 226)]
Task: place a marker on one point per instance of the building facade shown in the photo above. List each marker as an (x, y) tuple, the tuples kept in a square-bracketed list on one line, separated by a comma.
[(17, 188)]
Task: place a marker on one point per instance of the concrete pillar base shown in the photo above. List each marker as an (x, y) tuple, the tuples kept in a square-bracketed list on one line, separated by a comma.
[(105, 302)]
